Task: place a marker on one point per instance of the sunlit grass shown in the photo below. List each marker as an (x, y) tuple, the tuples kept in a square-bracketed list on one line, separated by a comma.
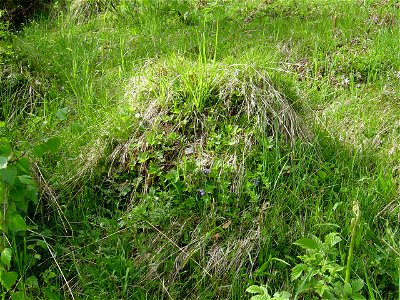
[(201, 140)]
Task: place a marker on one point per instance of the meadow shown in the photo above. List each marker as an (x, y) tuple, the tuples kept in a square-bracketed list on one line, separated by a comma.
[(190, 149)]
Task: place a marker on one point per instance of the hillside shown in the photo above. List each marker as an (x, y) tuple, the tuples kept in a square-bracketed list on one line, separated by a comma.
[(192, 149)]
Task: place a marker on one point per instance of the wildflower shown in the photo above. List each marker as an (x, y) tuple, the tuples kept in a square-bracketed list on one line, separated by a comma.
[(206, 171), (256, 182), (345, 81), (189, 150), (202, 192)]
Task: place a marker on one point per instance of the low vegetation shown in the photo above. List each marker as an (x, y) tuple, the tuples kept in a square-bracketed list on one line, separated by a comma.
[(200, 150)]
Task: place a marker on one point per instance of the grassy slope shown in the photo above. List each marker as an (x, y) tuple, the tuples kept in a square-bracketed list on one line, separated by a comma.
[(139, 227)]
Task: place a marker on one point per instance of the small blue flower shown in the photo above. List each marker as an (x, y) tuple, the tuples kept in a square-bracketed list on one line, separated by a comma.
[(206, 171), (256, 182), (202, 192)]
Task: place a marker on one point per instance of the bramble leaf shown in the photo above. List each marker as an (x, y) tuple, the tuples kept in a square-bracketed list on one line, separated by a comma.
[(308, 244), (357, 285), (256, 289), (297, 271), (281, 296), (347, 289), (261, 297), (332, 239)]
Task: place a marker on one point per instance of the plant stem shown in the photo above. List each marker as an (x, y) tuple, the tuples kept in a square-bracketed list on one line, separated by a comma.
[(354, 223)]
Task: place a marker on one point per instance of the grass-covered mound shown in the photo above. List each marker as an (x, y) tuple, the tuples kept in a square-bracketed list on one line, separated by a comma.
[(191, 149)]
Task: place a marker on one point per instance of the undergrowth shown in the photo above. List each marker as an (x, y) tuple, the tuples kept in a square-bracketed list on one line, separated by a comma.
[(198, 149)]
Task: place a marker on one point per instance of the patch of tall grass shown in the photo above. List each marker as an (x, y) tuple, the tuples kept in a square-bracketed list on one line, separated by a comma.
[(198, 142)]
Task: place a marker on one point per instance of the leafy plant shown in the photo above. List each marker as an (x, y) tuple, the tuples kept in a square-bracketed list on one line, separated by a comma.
[(20, 247), (17, 189), (262, 293), (319, 271)]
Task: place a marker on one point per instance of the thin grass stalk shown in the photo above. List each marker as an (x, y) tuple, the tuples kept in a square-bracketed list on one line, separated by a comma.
[(354, 226)]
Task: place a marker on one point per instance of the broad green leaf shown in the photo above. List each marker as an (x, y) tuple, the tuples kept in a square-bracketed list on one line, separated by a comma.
[(31, 193), (357, 285), (76, 127), (39, 150), (62, 113), (261, 297), (9, 174), (256, 289), (32, 282), (18, 295), (53, 144), (8, 279), (26, 179), (17, 194), (16, 222), (322, 175), (358, 297), (49, 275), (142, 157), (24, 165), (332, 238), (3, 162), (297, 271), (281, 296), (332, 268), (42, 244), (308, 244), (6, 256), (50, 295), (5, 148), (321, 287), (347, 289), (153, 168)]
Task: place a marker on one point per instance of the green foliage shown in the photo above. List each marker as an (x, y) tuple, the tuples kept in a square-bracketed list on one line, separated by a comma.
[(263, 294), (320, 273), (17, 189), (182, 145), (20, 249)]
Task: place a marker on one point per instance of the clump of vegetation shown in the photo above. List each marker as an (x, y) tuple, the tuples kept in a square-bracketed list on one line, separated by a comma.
[(198, 149), (15, 13)]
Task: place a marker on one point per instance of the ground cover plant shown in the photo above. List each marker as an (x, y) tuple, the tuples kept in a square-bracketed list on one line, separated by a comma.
[(200, 150)]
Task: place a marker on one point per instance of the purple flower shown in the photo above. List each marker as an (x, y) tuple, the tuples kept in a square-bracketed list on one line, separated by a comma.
[(256, 182), (202, 192), (206, 171)]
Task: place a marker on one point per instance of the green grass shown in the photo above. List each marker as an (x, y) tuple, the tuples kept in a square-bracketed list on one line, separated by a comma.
[(199, 141)]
